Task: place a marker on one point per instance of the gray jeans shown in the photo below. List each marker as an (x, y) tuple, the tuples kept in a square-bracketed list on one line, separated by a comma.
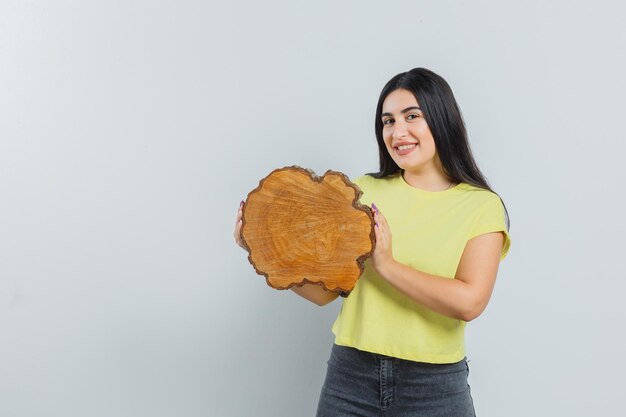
[(366, 385)]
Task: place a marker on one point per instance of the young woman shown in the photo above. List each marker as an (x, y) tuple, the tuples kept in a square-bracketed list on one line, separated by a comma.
[(441, 233)]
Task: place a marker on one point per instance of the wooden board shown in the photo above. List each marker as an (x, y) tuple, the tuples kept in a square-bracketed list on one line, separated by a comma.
[(298, 228)]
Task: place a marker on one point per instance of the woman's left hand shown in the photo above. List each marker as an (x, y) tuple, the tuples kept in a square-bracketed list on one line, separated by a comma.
[(382, 255)]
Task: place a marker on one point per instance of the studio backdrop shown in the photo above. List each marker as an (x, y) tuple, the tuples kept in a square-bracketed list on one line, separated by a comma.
[(131, 130)]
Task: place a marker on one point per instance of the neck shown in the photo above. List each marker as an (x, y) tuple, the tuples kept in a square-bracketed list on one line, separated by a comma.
[(428, 182)]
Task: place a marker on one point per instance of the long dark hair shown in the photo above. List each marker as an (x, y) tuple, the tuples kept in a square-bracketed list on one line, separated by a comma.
[(446, 124)]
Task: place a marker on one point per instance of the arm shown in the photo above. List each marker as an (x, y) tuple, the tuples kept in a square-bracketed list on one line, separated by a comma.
[(312, 292), (464, 297)]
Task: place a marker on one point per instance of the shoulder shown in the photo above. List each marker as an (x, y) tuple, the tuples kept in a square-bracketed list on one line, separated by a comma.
[(368, 182), (362, 180), (478, 202), (479, 196), (489, 216), (486, 205)]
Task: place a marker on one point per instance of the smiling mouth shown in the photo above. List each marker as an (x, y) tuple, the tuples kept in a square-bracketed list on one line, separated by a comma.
[(405, 147)]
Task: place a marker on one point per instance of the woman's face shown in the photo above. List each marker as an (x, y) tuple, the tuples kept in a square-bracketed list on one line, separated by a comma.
[(406, 133)]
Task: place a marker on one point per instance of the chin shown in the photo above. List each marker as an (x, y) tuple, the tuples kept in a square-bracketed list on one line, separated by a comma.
[(411, 166)]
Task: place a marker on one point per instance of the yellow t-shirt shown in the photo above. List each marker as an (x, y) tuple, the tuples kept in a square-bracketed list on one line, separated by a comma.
[(429, 232)]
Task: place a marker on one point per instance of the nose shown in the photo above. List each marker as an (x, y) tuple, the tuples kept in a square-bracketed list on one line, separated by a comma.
[(399, 129)]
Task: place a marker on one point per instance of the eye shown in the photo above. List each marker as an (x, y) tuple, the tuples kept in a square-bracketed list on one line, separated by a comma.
[(387, 121), (412, 116)]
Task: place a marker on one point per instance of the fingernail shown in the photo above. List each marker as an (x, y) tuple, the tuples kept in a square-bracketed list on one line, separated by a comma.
[(374, 207), (376, 224), (241, 204)]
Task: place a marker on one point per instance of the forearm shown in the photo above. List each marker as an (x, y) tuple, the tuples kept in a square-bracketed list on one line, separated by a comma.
[(450, 297), (315, 293)]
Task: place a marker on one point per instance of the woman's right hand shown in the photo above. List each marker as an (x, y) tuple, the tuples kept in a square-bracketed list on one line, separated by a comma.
[(238, 223)]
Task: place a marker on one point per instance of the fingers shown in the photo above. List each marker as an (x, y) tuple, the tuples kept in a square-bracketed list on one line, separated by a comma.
[(239, 212), (382, 223), (381, 230), (375, 213), (238, 224), (378, 234), (383, 253), (379, 218)]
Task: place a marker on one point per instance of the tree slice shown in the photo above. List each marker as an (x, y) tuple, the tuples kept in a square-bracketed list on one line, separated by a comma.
[(300, 228)]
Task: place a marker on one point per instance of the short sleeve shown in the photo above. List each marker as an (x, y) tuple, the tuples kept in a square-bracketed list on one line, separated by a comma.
[(492, 219)]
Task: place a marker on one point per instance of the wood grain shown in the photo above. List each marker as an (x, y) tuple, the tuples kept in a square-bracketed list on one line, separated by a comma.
[(298, 228)]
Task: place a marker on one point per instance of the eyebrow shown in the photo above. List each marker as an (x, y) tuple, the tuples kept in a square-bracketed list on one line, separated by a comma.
[(403, 111)]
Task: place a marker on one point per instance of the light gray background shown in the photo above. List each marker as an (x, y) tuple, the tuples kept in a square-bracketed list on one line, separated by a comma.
[(130, 131)]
